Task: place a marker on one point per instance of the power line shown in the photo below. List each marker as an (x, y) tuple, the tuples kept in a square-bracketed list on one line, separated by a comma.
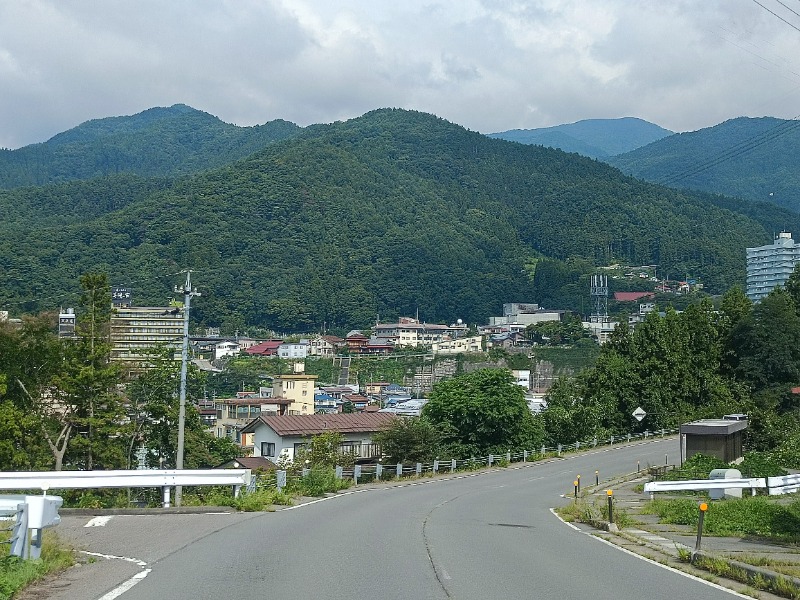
[(777, 15), (735, 151)]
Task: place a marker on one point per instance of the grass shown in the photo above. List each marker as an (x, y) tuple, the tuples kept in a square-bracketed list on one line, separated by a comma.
[(757, 516), (593, 512), (16, 573), (780, 586)]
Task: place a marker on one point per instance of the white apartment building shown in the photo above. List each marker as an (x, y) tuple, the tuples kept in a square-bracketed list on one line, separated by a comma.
[(770, 266)]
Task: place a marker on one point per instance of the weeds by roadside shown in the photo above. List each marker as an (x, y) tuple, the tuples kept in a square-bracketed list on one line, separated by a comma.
[(16, 573)]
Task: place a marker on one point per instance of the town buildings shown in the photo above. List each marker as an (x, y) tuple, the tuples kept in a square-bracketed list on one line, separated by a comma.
[(771, 265)]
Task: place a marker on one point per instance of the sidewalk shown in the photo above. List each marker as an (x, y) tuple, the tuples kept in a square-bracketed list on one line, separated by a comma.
[(756, 557)]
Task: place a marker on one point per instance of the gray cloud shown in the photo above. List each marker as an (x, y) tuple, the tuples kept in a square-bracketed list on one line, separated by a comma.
[(487, 65)]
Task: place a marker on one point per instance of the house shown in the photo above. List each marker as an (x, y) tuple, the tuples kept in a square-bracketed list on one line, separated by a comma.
[(277, 438), (254, 463), (268, 348), (232, 414), (326, 346), (632, 296), (224, 349), (293, 349), (355, 340), (458, 346), (297, 387), (409, 332)]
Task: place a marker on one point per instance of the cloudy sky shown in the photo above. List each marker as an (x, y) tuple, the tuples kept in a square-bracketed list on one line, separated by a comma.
[(486, 65)]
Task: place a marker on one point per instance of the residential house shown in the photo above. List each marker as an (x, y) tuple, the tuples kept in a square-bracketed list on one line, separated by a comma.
[(268, 348), (297, 387), (355, 340), (224, 349), (232, 414), (326, 346), (281, 437), (458, 346), (409, 332), (291, 350)]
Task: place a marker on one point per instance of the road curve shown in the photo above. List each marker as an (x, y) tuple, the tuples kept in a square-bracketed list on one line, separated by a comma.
[(486, 535)]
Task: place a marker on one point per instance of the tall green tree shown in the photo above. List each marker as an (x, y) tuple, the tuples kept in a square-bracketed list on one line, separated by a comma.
[(154, 406), (482, 412), (411, 439)]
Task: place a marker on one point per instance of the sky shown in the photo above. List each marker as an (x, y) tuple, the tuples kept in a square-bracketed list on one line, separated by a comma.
[(486, 65)]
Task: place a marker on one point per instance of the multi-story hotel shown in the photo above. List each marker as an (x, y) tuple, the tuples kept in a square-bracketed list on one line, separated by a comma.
[(136, 329)]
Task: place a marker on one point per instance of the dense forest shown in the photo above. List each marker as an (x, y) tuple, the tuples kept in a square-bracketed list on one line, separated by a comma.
[(755, 159), (389, 214), (156, 142)]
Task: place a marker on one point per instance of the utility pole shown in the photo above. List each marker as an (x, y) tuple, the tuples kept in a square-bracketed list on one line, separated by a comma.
[(188, 292)]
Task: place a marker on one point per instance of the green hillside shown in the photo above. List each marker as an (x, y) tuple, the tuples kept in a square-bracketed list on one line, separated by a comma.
[(595, 138), (387, 214), (156, 142), (754, 159)]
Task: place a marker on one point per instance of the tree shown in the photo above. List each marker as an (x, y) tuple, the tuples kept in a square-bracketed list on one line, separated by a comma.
[(410, 439), (480, 413), (325, 451), (767, 343), (154, 406)]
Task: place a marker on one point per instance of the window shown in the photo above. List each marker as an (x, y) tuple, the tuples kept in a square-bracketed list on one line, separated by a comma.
[(267, 449)]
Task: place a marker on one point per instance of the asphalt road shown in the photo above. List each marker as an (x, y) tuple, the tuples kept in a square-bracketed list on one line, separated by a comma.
[(487, 535)]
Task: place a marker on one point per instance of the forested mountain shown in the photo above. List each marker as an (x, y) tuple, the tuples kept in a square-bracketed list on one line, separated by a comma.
[(387, 214), (158, 141), (596, 138), (755, 159)]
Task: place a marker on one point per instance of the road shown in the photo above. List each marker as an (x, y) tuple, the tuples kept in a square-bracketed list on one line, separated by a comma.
[(487, 535)]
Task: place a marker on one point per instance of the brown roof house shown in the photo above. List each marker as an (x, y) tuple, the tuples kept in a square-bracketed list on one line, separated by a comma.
[(279, 437)]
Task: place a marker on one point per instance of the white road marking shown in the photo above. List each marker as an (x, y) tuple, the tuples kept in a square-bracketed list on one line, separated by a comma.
[(650, 560), (445, 574), (124, 587), (135, 561), (99, 521)]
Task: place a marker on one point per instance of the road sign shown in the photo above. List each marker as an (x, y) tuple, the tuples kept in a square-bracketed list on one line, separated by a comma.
[(639, 413)]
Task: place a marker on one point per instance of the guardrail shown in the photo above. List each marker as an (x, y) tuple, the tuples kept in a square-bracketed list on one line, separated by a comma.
[(786, 484), (775, 486), (165, 479), (30, 515)]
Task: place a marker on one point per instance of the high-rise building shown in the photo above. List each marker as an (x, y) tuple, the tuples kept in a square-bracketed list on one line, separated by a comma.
[(137, 329), (771, 266)]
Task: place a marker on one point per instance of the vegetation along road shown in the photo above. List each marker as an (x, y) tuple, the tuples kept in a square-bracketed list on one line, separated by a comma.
[(486, 535)]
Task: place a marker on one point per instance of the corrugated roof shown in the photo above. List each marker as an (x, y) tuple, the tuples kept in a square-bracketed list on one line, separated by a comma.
[(316, 424)]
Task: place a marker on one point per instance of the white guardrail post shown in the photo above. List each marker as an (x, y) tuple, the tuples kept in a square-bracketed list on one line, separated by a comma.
[(31, 514)]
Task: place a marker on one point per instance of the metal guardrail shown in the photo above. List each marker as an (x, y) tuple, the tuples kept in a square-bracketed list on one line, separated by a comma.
[(704, 484), (30, 515), (786, 484), (165, 479), (775, 486)]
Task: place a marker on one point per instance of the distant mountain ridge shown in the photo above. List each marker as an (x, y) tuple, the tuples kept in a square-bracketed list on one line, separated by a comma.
[(156, 142), (595, 138), (389, 213), (757, 159)]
